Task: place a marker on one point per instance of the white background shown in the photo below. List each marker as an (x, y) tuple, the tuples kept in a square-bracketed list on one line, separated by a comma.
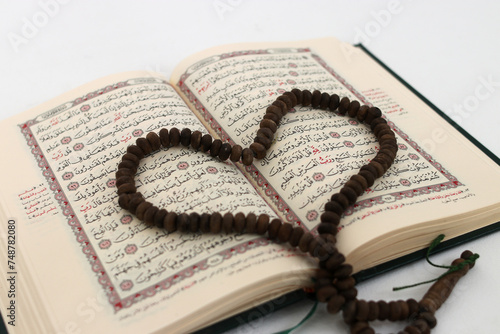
[(448, 50)]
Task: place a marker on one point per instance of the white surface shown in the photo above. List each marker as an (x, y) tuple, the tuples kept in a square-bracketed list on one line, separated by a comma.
[(447, 50)]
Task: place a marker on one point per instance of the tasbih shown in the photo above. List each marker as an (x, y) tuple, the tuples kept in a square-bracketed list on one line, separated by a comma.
[(334, 283)]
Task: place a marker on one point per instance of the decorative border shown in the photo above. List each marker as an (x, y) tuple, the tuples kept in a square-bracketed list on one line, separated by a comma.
[(263, 183), (75, 224)]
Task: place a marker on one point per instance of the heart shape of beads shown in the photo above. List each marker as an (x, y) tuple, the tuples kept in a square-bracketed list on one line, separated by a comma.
[(334, 282)]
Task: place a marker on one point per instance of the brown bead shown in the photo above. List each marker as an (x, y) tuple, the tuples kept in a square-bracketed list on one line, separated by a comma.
[(466, 255), (124, 179), (267, 123), (394, 311), (372, 310), (225, 151), (361, 310), (298, 95), (405, 310), (346, 283), (123, 201), (327, 228), (141, 209), (412, 306), (371, 169), (175, 136), (378, 167), (196, 139), (127, 188), (282, 106), (304, 241), (128, 164), (227, 222), (363, 110), (275, 110), (384, 157), (297, 233), (390, 153), (134, 203), (125, 184), (350, 294), (273, 117), (239, 222), (324, 101), (306, 97), (251, 223), (385, 132), (170, 222), (353, 108), (383, 310), (266, 132), (343, 271), (316, 99), (361, 180), (341, 199), (325, 249), (287, 100), (285, 232), (144, 145), (205, 222), (215, 147), (292, 98), (258, 150), (194, 222), (262, 224), (159, 217), (350, 194), (381, 126), (124, 172), (344, 105), (149, 215), (421, 325), (273, 228), (131, 157), (356, 186), (429, 318), (324, 293), (164, 138), (330, 217), (391, 137), (235, 153), (372, 114), (135, 150), (154, 140), (206, 142), (247, 156), (322, 273), (376, 122), (334, 102), (334, 262), (335, 304), (264, 141), (215, 223), (334, 207), (183, 222), (349, 313)]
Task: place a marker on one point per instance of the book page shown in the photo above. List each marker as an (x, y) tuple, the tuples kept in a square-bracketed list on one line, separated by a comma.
[(77, 241), (315, 152)]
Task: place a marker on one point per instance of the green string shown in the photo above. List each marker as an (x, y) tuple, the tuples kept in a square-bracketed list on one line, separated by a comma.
[(310, 314), (451, 269)]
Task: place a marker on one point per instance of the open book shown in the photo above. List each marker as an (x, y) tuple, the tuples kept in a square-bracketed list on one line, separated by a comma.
[(80, 262)]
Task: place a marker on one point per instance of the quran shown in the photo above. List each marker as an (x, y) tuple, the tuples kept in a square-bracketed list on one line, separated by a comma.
[(78, 262)]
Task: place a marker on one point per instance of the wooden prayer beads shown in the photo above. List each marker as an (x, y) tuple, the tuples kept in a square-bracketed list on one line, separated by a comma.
[(334, 285)]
